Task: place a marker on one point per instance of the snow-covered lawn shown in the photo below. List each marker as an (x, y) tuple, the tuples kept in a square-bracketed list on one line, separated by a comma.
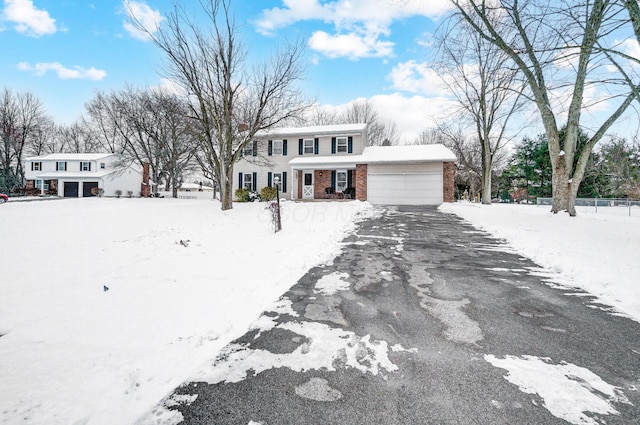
[(106, 305), (598, 252)]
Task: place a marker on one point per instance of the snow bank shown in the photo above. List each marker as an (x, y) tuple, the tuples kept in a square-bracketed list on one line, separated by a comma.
[(106, 305)]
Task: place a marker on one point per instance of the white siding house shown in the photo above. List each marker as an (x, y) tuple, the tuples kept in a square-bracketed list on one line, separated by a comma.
[(79, 175), (336, 162)]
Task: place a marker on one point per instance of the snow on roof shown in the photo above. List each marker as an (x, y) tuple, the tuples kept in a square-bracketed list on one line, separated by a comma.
[(377, 155), (317, 130), (70, 157), (407, 153)]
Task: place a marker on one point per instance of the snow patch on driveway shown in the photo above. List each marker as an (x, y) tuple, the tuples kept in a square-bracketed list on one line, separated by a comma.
[(568, 391)]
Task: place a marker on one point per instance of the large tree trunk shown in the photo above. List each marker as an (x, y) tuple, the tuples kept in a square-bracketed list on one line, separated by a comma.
[(226, 190), (487, 166)]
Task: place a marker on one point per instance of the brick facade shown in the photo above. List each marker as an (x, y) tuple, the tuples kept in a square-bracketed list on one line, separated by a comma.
[(321, 181), (361, 182), (448, 179)]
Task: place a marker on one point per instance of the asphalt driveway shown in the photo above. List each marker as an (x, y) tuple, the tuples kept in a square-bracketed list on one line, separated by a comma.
[(423, 320)]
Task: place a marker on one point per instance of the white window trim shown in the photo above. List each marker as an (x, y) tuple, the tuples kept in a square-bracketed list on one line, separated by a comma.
[(309, 147), (247, 181), (85, 166), (277, 147), (61, 166), (339, 187), (342, 144)]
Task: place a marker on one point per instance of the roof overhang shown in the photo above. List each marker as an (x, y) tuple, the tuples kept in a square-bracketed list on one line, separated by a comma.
[(325, 162)]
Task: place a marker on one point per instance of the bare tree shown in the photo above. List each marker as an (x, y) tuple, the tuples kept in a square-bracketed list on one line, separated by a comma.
[(21, 114), (229, 103), (481, 78), (378, 131), (560, 43)]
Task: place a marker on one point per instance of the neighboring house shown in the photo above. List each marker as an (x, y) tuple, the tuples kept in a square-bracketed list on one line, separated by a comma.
[(309, 160), (74, 175)]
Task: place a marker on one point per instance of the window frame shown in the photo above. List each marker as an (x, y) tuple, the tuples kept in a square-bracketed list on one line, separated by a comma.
[(61, 166), (275, 149), (339, 187), (36, 166), (85, 166), (310, 149), (342, 144), (248, 181)]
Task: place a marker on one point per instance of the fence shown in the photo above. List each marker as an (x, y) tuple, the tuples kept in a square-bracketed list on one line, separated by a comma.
[(598, 202)]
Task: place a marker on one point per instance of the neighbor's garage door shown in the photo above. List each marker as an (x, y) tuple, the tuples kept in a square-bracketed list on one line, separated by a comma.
[(70, 189), (405, 185)]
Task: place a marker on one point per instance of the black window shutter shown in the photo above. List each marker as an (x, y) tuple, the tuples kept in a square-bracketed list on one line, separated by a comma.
[(89, 166), (255, 148), (32, 166), (350, 145), (333, 178), (349, 178), (255, 181), (333, 145), (80, 165), (284, 181), (269, 179), (270, 149), (240, 180), (57, 164), (300, 147), (316, 146), (284, 147)]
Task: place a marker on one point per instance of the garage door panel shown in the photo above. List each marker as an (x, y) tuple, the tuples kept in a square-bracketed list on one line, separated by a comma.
[(405, 189)]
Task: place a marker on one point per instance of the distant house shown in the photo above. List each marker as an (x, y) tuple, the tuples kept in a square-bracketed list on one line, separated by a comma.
[(81, 175), (336, 161)]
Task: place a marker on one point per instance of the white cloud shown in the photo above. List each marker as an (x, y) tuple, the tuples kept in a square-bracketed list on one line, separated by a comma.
[(27, 18), (64, 73), (412, 114), (149, 18), (351, 45), (360, 23), (416, 77)]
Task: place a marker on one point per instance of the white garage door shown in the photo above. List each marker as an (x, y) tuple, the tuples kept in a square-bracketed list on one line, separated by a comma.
[(405, 189)]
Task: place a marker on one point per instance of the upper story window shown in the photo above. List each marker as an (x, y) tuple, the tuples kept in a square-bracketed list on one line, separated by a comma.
[(277, 147), (341, 144), (308, 145), (102, 165), (85, 166), (36, 166), (61, 166)]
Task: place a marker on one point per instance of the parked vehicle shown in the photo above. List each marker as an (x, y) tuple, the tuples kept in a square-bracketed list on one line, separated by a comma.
[(3, 198)]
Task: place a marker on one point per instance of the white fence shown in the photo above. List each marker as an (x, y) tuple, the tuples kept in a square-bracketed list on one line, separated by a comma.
[(629, 204)]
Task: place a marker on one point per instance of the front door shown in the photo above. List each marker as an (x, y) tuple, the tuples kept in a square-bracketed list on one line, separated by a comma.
[(307, 185)]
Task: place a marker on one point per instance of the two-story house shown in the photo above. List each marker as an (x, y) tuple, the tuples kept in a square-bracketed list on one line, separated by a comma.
[(79, 175), (336, 161)]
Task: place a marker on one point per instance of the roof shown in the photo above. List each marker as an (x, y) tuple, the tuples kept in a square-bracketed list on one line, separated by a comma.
[(408, 153), (378, 155), (71, 157), (317, 130)]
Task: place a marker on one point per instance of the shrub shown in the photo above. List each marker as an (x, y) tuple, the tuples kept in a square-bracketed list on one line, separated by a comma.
[(242, 195), (118, 193), (268, 193), (130, 193)]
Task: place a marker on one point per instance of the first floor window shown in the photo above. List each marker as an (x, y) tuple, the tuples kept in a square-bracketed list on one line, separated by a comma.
[(341, 144), (247, 181), (341, 181), (308, 145), (39, 184)]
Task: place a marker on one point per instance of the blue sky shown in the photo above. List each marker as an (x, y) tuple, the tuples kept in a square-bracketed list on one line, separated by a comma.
[(63, 51)]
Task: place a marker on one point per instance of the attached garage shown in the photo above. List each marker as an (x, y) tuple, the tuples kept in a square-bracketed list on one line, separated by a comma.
[(405, 184), (70, 189)]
